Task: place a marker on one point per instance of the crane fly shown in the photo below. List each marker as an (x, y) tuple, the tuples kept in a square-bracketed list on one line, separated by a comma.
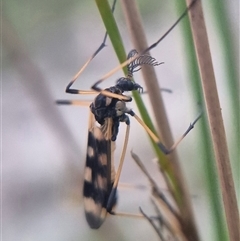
[(106, 112)]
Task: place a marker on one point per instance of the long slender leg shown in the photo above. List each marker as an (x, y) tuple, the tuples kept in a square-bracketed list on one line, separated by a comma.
[(116, 181), (102, 45), (173, 147), (128, 61), (73, 102), (142, 59), (156, 139)]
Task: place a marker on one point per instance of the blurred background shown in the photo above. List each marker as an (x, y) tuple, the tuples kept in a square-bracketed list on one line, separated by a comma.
[(44, 145)]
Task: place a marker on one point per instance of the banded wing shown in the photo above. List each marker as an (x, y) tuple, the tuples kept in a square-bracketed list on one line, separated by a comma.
[(99, 172)]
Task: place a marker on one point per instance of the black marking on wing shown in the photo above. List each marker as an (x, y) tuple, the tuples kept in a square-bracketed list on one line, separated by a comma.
[(97, 185), (99, 147)]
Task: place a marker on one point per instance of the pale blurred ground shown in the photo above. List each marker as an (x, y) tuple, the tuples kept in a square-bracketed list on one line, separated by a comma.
[(43, 145)]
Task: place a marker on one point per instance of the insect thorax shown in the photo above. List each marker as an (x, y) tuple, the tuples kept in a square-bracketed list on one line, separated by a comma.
[(104, 107), (109, 107)]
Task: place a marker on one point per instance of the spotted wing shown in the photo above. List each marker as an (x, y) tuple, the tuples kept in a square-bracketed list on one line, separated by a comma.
[(98, 174)]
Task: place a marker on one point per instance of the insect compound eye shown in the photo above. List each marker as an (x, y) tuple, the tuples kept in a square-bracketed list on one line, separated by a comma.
[(120, 108)]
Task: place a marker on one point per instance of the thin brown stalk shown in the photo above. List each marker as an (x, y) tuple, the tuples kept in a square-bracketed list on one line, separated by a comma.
[(139, 40), (153, 225), (156, 192), (174, 229), (169, 216), (215, 119)]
